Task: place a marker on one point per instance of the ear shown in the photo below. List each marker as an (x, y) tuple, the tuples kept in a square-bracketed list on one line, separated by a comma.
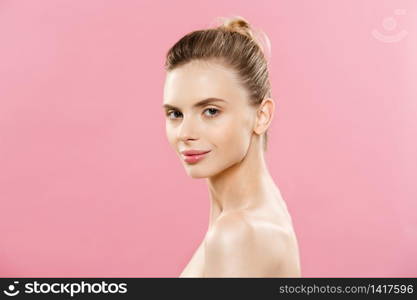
[(264, 115)]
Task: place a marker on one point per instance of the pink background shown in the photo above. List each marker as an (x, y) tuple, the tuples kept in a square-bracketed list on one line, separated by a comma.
[(89, 186)]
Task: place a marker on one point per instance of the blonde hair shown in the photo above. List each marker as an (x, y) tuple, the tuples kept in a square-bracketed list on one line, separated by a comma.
[(237, 45)]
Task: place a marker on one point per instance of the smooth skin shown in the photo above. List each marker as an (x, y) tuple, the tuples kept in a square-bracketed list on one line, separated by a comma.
[(250, 232)]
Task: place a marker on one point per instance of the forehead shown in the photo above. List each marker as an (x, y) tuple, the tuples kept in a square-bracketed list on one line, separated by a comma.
[(199, 80)]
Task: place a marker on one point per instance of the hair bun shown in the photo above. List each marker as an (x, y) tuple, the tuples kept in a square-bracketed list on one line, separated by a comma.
[(238, 24), (241, 25)]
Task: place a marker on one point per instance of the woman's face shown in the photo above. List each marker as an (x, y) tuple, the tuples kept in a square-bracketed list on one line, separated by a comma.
[(224, 128)]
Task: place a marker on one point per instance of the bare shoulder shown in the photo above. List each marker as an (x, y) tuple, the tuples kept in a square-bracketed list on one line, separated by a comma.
[(233, 226), (242, 246), (240, 227)]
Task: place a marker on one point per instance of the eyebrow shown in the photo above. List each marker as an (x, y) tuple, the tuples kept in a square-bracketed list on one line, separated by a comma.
[(198, 104)]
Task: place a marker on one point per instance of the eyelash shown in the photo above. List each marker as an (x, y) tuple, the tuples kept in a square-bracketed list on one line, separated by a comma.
[(210, 108)]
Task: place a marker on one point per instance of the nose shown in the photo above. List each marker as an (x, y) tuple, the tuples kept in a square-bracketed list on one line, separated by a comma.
[(187, 129)]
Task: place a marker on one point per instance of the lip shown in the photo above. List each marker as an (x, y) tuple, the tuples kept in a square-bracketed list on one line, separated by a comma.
[(194, 152), (193, 156)]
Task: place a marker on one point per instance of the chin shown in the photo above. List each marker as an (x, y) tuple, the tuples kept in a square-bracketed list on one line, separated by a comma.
[(199, 171), (202, 172), (197, 174)]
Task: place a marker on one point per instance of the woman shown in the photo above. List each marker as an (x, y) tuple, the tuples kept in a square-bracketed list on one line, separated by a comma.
[(218, 106)]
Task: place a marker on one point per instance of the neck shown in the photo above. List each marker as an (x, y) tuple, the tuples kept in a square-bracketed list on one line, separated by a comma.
[(247, 184)]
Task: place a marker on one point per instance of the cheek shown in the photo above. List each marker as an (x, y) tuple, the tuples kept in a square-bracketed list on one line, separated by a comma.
[(235, 135), (170, 133)]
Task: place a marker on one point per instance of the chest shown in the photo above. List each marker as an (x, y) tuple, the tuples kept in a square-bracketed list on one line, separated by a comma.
[(195, 267)]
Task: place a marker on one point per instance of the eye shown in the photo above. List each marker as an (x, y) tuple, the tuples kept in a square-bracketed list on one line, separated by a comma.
[(213, 112), (174, 114), (169, 113)]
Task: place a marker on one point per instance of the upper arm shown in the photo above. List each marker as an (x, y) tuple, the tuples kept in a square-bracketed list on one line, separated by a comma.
[(236, 248)]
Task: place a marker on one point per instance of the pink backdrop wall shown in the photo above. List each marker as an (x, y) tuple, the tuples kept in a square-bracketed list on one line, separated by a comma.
[(90, 187)]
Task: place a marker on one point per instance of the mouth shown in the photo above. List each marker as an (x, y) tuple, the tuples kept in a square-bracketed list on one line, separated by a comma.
[(194, 158)]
